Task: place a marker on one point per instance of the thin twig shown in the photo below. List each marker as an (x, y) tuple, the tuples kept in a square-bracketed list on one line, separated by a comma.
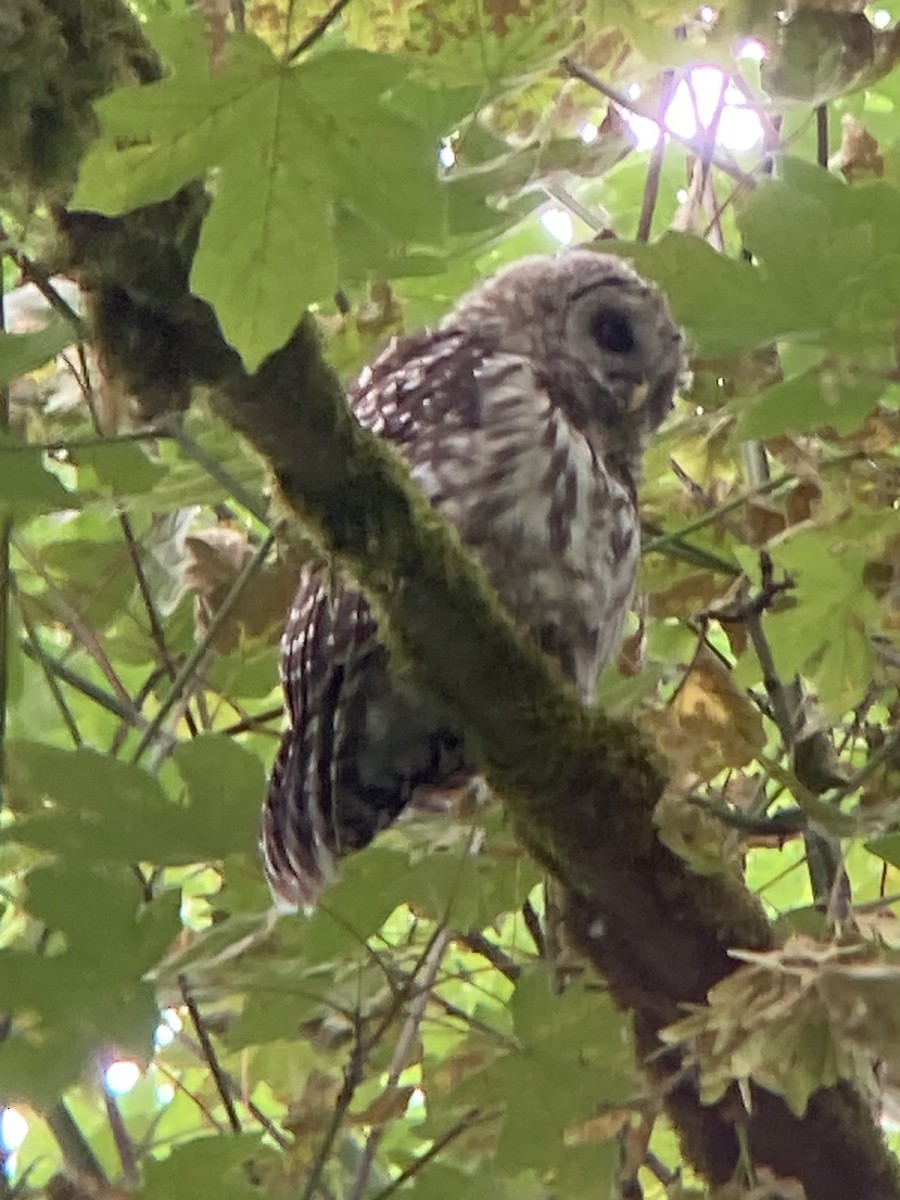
[(710, 133), (785, 717), (189, 668), (430, 967), (318, 30), (533, 925), (83, 378), (34, 273), (124, 1145), (822, 136), (657, 157), (353, 1077), (82, 632), (885, 752), (210, 1055), (657, 544), (176, 1083), (47, 665), (681, 550), (828, 877), (277, 1136), (255, 720), (140, 699), (475, 941), (214, 468), (76, 1151), (66, 445), (596, 218), (87, 688), (473, 1117)]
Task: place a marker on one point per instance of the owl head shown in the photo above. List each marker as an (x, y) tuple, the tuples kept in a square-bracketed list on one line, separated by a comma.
[(601, 340)]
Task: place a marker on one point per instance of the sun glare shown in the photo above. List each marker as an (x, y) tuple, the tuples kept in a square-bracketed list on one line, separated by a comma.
[(558, 223), (13, 1130), (693, 108), (121, 1076)]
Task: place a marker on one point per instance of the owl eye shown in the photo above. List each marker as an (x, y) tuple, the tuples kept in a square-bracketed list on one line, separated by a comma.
[(611, 331)]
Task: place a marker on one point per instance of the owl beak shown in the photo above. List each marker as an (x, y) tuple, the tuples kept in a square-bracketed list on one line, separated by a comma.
[(638, 397)]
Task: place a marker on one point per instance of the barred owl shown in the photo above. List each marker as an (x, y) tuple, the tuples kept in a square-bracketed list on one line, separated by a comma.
[(522, 418)]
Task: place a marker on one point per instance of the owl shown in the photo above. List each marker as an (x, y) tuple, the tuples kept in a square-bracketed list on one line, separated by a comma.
[(522, 417)]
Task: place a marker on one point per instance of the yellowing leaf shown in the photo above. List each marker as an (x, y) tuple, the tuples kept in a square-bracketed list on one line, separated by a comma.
[(486, 41), (710, 723)]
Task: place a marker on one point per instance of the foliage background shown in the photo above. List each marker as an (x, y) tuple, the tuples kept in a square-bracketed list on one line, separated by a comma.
[(411, 1030)]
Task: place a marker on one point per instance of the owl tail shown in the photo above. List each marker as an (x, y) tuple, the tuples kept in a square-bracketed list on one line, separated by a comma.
[(362, 743)]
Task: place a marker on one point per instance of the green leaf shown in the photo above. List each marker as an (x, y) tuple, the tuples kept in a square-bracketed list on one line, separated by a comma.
[(93, 993), (468, 891), (829, 252), (38, 1073), (886, 847), (24, 352), (818, 398), (26, 486), (229, 1164), (225, 785), (830, 642), (121, 468), (106, 810), (574, 1055), (288, 144), (357, 905), (690, 272)]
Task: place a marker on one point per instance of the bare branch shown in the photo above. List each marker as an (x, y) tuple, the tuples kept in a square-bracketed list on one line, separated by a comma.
[(320, 28), (430, 967), (210, 1056)]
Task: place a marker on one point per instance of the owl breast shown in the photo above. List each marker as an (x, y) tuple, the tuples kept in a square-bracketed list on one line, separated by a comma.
[(529, 491)]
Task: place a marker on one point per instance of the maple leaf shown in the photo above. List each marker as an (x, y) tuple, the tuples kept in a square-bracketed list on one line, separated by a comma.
[(282, 148)]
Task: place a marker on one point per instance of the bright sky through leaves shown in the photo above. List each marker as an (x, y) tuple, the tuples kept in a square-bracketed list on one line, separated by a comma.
[(694, 105)]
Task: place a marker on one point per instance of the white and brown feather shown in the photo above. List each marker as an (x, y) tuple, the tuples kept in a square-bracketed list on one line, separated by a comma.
[(531, 448)]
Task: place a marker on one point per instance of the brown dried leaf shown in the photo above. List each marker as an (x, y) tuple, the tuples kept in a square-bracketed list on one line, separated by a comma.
[(710, 723), (597, 1129), (632, 657), (691, 593), (764, 522), (381, 314), (803, 500), (215, 21), (389, 1106), (313, 1109), (445, 1075), (858, 156), (214, 558)]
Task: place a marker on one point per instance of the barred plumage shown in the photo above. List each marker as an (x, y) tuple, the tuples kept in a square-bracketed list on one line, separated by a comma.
[(522, 418)]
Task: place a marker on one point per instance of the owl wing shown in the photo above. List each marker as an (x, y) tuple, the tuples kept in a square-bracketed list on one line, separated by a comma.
[(490, 445), (360, 740), (326, 649), (481, 433)]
